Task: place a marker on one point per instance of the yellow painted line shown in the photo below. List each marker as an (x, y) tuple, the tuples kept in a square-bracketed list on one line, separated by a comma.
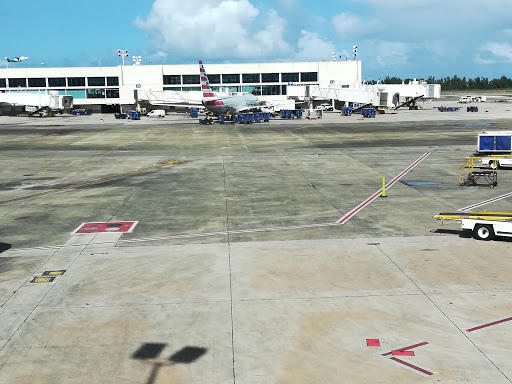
[(43, 280), (93, 182), (55, 273)]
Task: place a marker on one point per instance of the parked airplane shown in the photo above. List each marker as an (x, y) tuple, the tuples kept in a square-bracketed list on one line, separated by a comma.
[(16, 59), (226, 104)]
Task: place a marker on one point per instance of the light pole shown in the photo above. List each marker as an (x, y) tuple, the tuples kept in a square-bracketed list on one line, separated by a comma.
[(122, 53), (136, 60)]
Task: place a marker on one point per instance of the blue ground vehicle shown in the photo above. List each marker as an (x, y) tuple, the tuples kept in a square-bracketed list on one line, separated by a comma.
[(448, 109), (368, 112), (87, 111)]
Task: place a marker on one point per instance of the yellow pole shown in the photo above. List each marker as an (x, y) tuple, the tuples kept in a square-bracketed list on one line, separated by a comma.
[(383, 187)]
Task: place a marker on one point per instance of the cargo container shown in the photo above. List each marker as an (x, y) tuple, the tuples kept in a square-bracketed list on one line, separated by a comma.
[(490, 142)]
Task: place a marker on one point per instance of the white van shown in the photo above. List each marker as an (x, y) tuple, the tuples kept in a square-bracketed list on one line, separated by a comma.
[(156, 113), (465, 99)]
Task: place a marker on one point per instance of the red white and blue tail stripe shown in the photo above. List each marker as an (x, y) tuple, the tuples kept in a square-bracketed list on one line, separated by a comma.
[(205, 84)]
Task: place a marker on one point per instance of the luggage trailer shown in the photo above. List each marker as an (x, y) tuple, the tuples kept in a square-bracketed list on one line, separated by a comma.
[(483, 225)]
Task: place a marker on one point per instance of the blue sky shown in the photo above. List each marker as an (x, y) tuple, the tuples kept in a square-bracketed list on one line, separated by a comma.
[(394, 38)]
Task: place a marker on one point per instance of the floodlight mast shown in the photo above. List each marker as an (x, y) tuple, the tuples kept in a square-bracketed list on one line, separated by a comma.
[(122, 53)]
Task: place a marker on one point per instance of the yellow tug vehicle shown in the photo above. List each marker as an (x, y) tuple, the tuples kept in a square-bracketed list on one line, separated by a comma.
[(484, 225)]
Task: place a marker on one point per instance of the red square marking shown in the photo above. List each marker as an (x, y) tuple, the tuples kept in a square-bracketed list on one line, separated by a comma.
[(402, 353), (113, 227), (373, 342)]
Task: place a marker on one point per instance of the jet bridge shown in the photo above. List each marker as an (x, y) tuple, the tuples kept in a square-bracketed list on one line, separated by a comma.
[(37, 102), (384, 95)]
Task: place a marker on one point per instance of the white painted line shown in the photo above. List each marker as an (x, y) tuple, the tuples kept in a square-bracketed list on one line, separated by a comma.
[(482, 203), (239, 231), (369, 200)]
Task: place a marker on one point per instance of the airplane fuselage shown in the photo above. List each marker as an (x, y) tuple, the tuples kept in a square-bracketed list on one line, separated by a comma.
[(232, 104)]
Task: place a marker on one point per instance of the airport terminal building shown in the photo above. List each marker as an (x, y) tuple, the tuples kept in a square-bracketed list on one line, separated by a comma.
[(106, 89)]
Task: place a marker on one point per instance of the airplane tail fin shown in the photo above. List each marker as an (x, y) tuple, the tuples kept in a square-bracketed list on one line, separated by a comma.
[(205, 84)]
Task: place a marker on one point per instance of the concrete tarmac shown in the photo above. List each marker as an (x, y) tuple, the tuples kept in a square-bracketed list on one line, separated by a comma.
[(213, 286)]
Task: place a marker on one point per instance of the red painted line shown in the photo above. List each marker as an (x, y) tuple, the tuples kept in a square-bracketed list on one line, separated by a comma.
[(488, 325), (402, 353), (187, 236), (373, 342), (406, 348), (359, 207), (368, 201), (412, 366), (404, 172)]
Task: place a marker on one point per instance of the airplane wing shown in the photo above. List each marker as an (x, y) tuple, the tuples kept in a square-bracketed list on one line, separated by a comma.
[(249, 109), (178, 105)]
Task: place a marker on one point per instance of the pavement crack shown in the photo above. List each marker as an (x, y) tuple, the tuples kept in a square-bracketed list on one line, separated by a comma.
[(230, 271)]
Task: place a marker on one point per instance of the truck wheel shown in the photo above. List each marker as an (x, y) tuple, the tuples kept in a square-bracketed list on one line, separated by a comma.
[(484, 232)]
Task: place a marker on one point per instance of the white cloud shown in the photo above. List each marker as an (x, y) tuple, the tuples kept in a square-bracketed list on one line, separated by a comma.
[(350, 26), (390, 53), (289, 4), (482, 61), (312, 48), (500, 51), (217, 29)]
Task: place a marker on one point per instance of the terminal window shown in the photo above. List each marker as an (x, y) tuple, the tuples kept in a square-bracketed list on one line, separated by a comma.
[(191, 79), (250, 78), (3, 83), (76, 93), (232, 88), (175, 89), (309, 76), (56, 81), (96, 81), (190, 89), (267, 90), (37, 82), (112, 93), (214, 79), (286, 77), (113, 81), (95, 93), (17, 82), (255, 90), (172, 79), (270, 77), (230, 79), (76, 81)]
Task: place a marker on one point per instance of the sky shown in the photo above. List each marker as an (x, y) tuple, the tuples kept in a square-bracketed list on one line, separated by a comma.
[(394, 38)]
